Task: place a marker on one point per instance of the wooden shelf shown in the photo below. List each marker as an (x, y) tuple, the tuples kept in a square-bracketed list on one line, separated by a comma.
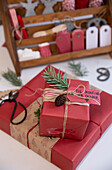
[(60, 15), (13, 44), (66, 56), (33, 41)]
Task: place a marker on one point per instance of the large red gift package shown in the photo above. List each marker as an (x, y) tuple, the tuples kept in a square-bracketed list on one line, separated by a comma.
[(71, 152), (65, 153)]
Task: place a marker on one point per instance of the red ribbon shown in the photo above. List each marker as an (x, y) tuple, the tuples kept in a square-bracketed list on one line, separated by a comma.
[(28, 135), (31, 130)]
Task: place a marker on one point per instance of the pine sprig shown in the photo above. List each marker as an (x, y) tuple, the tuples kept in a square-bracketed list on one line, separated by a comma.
[(12, 77), (56, 80), (37, 113), (78, 70)]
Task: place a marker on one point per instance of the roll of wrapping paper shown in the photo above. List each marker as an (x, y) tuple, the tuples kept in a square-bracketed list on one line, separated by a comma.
[(24, 33), (56, 29), (15, 24), (68, 5), (95, 3)]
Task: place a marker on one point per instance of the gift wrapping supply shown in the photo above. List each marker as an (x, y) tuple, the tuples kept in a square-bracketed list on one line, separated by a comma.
[(80, 4), (68, 5), (95, 3)]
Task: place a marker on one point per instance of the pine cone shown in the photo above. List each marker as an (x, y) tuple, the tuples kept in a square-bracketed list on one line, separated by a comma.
[(60, 100)]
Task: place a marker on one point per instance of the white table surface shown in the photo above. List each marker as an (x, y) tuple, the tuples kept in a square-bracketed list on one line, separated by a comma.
[(15, 156)]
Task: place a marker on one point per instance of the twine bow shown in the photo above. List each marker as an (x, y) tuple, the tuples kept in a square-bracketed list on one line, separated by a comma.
[(21, 32)]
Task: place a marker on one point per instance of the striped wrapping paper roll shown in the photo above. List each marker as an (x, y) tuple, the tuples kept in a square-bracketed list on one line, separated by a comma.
[(68, 5), (95, 3)]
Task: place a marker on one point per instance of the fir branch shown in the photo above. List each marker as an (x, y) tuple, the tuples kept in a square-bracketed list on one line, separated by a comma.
[(37, 113), (77, 69), (56, 80), (12, 77)]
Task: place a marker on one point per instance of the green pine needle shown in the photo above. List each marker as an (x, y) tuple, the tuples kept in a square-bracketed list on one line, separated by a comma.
[(37, 113), (12, 77), (55, 79), (77, 69)]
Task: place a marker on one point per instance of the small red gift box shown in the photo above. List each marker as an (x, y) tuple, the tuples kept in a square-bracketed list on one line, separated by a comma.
[(54, 122)]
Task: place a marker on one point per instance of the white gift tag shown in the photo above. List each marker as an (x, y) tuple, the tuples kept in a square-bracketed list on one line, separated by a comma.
[(105, 36), (92, 37)]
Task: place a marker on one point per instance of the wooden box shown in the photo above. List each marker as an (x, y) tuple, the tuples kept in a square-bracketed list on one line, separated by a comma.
[(13, 44)]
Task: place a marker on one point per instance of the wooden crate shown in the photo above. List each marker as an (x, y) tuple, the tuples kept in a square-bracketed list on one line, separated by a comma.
[(13, 44)]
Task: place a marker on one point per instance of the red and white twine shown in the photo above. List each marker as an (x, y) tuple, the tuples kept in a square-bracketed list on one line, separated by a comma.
[(68, 5), (95, 3)]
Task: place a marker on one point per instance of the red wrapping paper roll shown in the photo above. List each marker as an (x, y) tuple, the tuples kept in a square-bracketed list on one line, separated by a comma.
[(80, 4), (24, 33), (15, 23)]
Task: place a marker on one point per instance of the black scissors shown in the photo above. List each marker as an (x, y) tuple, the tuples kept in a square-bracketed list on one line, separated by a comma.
[(104, 74), (12, 98)]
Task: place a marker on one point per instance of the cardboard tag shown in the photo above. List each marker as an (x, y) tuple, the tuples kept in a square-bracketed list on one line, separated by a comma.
[(105, 35), (84, 96), (92, 37), (63, 42), (78, 40)]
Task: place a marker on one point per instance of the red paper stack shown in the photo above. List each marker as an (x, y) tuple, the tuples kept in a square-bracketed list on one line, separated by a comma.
[(64, 153)]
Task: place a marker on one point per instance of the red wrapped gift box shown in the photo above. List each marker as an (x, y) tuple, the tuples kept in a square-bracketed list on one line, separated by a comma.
[(7, 108), (65, 153), (52, 118)]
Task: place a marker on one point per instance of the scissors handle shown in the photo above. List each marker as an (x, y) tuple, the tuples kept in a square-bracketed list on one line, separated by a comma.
[(98, 22), (12, 98), (104, 72), (11, 119)]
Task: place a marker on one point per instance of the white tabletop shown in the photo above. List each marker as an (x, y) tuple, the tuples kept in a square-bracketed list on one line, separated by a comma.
[(14, 155)]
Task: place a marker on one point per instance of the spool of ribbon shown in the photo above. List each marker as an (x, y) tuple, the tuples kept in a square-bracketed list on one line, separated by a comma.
[(95, 3), (80, 4), (68, 5)]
